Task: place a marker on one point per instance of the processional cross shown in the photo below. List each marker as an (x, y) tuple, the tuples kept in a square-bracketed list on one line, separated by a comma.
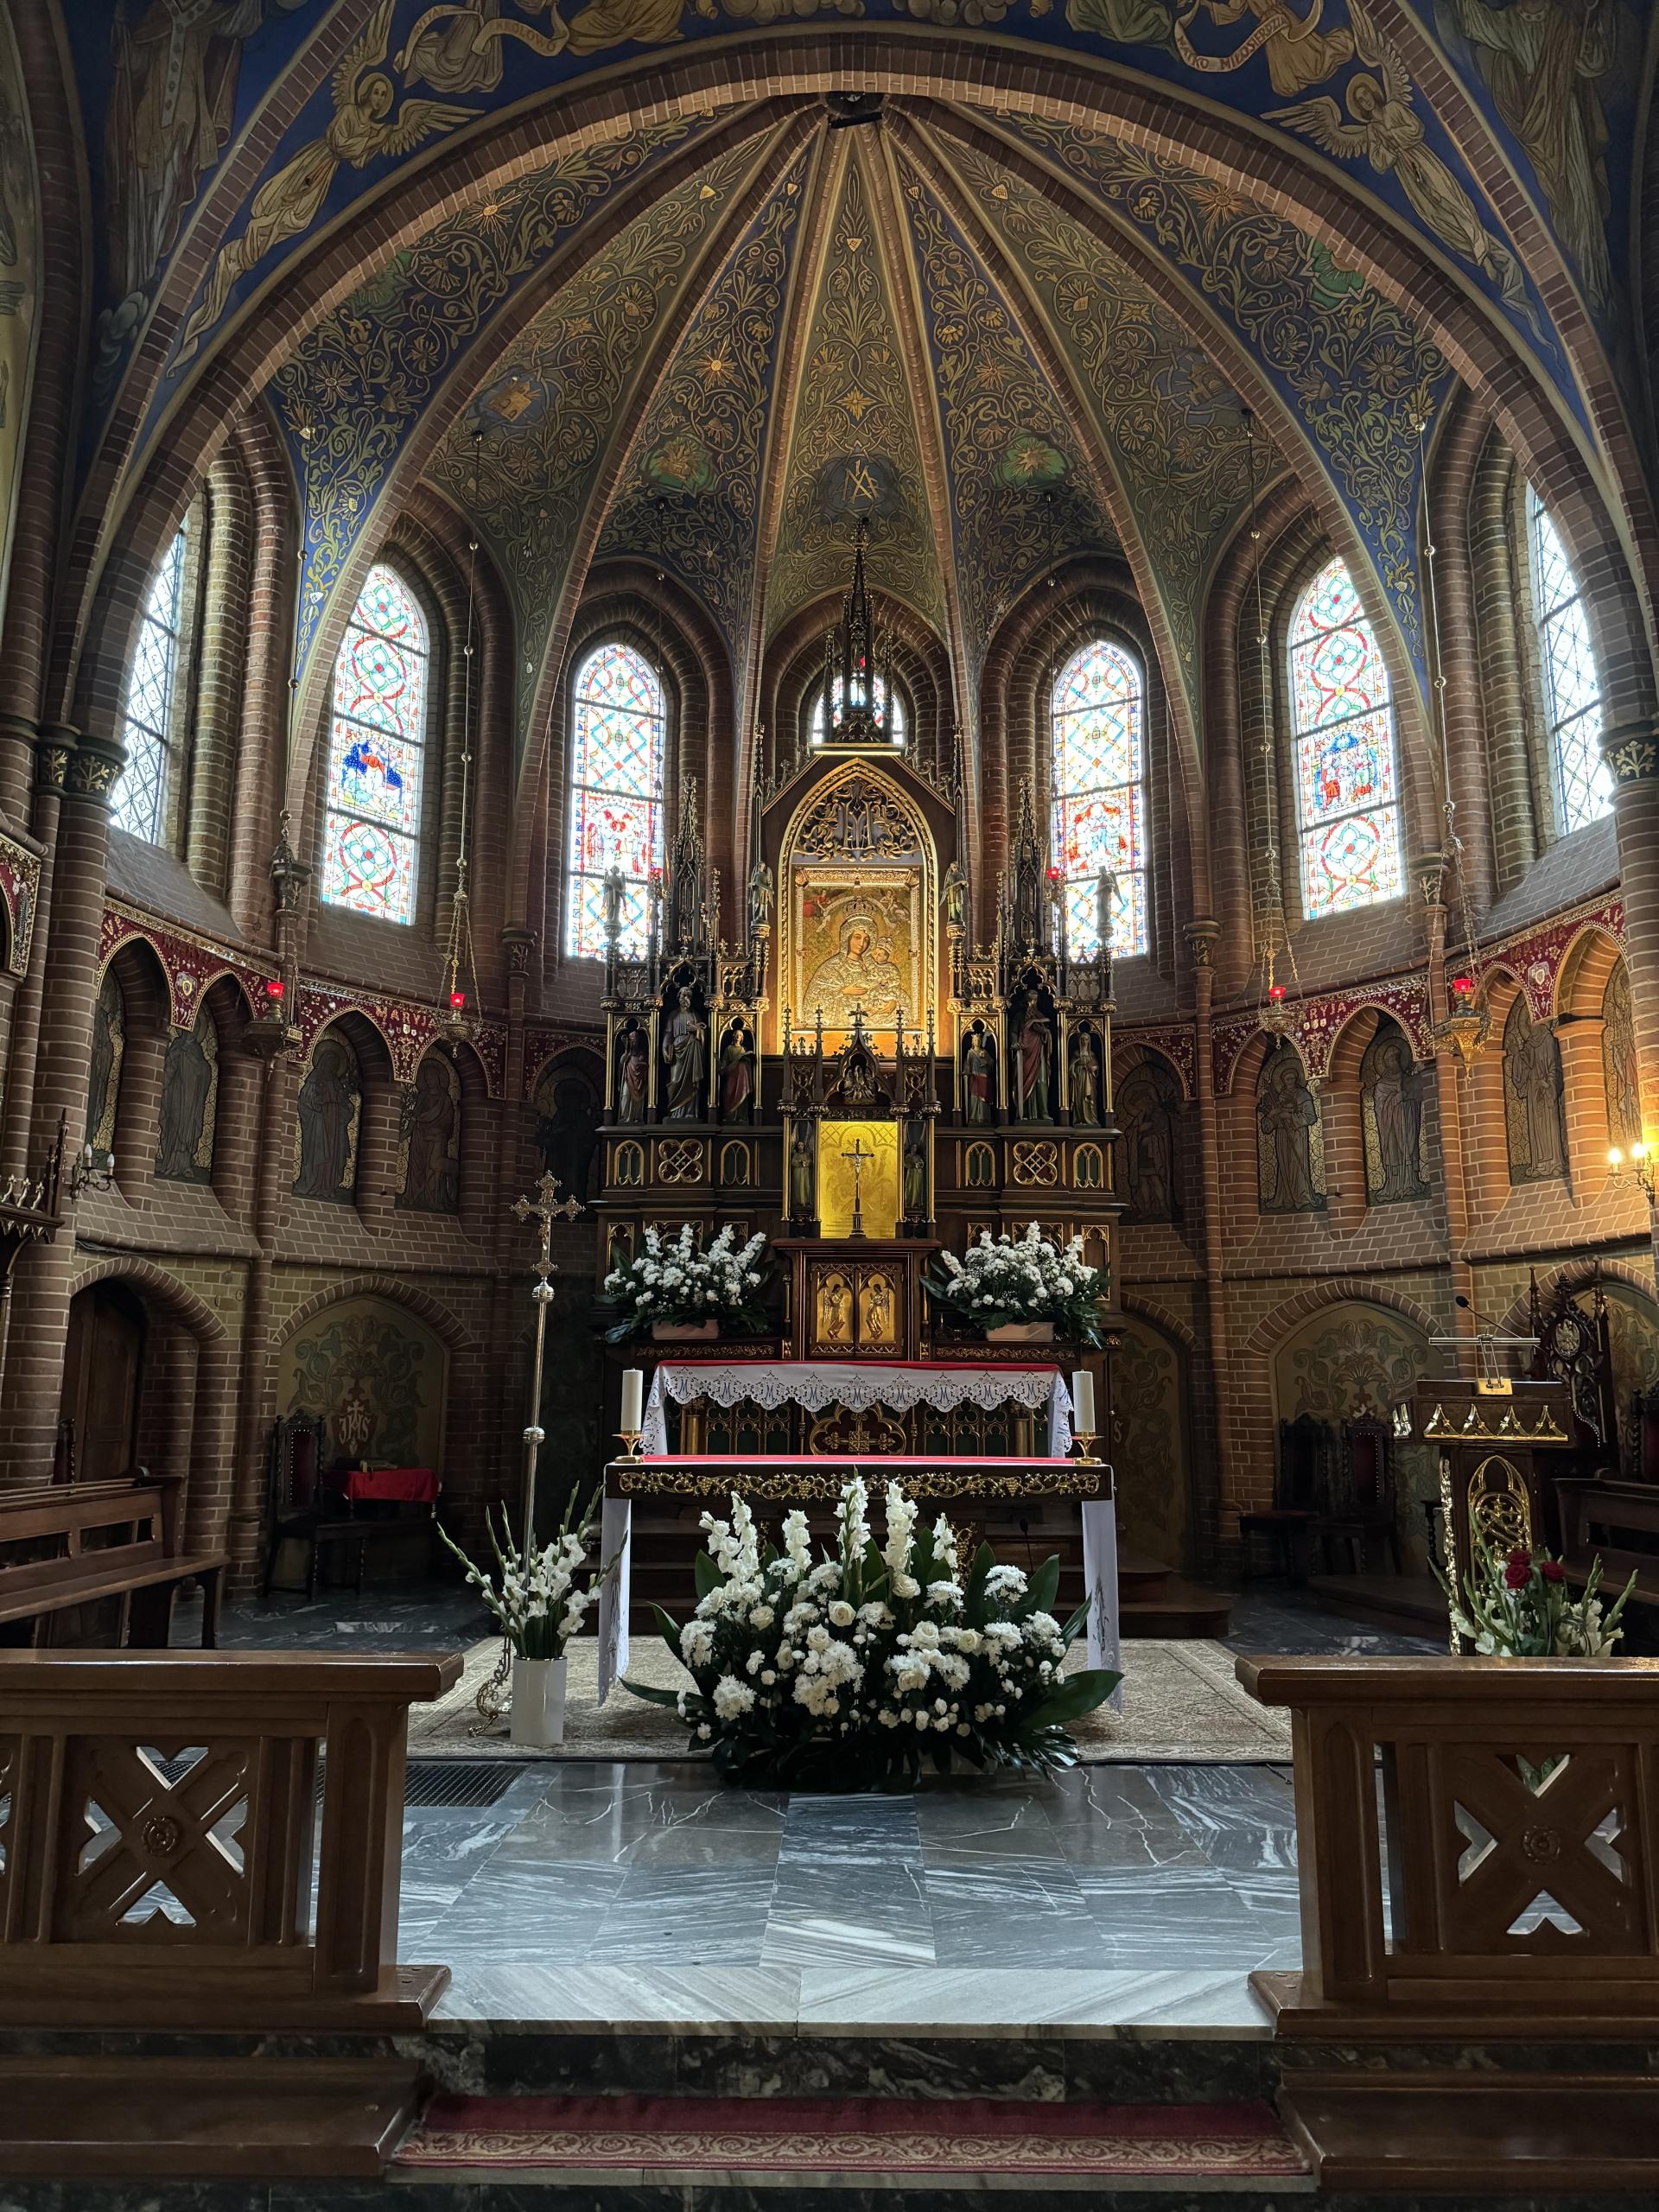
[(857, 1154)]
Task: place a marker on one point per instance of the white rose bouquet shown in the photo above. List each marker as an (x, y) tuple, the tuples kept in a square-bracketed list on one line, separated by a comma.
[(676, 1282), (539, 1598), (854, 1671), (1023, 1278)]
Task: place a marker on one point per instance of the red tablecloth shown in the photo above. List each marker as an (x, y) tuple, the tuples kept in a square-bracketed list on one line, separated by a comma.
[(407, 1485)]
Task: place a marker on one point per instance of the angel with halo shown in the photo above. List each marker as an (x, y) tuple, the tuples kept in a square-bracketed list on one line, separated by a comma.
[(362, 129), (1385, 132)]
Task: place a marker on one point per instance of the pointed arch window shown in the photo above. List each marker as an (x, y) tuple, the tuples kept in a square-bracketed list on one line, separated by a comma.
[(888, 704), (1572, 683), (1097, 777), (377, 756), (1347, 783), (619, 728), (152, 693)]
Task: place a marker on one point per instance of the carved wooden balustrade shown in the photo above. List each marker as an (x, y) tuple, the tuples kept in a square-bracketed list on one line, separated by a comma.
[(207, 1840), (1479, 1845)]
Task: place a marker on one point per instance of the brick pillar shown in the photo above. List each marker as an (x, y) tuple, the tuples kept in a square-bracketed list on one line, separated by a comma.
[(1344, 1155), (39, 1309), (138, 1112), (1579, 1036), (272, 1173), (1632, 752), (236, 1131), (379, 1125), (1201, 936)]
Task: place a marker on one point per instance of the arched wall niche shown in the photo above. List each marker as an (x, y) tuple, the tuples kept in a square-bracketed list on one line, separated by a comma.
[(378, 1376)]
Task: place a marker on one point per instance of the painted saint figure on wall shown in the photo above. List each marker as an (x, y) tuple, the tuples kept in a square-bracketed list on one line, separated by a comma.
[(1147, 1105), (187, 1087), (327, 1112), (1533, 1098), (431, 1139), (1288, 1116), (1391, 1087)]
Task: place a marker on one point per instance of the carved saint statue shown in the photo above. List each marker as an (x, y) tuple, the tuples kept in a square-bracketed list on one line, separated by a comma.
[(1034, 1047), (760, 897), (955, 896), (1286, 1115), (1082, 1080), (736, 1070), (915, 1170), (979, 1077), (802, 1172), (633, 1071), (685, 1038)]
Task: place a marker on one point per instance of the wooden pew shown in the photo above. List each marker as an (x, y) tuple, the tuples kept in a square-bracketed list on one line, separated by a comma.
[(1593, 1516), (83, 1543)]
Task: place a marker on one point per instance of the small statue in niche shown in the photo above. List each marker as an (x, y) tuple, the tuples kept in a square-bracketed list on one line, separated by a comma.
[(1286, 1115), (760, 897), (1034, 1049), (955, 896), (736, 1074), (685, 1040), (915, 1170), (186, 1085), (633, 1074), (802, 1172), (979, 1077), (1083, 1074)]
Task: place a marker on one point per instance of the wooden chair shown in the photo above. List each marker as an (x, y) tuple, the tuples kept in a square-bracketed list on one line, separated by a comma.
[(304, 1505), (1298, 1493), (1364, 1507)]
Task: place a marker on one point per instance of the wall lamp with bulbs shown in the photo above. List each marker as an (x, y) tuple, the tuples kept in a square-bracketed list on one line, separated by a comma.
[(1637, 1163)]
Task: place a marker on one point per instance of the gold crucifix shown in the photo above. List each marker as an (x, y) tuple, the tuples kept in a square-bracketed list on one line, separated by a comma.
[(857, 1154)]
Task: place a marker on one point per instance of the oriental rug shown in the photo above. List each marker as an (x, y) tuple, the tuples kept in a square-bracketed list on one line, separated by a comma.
[(1180, 1702), (818, 2140)]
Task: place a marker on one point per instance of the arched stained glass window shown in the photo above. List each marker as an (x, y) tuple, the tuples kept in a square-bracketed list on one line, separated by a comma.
[(152, 686), (1347, 796), (1583, 781), (891, 707), (619, 728), (376, 759), (1097, 730)]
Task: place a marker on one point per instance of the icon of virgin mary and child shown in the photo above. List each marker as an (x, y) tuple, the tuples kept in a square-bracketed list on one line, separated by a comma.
[(861, 972)]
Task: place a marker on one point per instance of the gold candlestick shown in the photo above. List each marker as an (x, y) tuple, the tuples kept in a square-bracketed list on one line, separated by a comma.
[(1084, 1437), (633, 1441)]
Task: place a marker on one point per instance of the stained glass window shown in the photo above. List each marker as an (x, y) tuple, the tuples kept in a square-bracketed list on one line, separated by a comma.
[(1347, 797), (616, 796), (1584, 784), (377, 758), (890, 707), (152, 683), (1097, 734)]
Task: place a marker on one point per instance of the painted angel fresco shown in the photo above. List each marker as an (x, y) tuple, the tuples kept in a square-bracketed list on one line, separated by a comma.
[(363, 130), (1386, 131)]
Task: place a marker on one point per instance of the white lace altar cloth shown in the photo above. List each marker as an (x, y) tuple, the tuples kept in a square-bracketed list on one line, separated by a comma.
[(857, 1385)]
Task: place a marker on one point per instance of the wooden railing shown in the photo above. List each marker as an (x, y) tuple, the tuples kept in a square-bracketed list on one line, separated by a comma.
[(163, 1836), (1479, 1845)]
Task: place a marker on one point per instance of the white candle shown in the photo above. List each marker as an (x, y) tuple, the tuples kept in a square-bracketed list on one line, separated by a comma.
[(633, 1400), (1083, 1403)]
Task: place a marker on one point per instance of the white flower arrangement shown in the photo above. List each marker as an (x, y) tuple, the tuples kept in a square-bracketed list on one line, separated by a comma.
[(1011, 1279), (676, 1282), (538, 1598), (847, 1675)]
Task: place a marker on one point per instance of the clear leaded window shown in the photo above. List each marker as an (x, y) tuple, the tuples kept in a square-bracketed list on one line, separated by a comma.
[(889, 705), (1097, 750), (377, 759), (152, 684), (619, 728), (1584, 784), (1347, 795)]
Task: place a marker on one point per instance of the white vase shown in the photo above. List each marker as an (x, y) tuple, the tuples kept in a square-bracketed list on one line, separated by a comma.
[(537, 1718)]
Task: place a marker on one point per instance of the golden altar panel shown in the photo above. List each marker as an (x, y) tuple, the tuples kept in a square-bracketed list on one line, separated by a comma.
[(879, 1141)]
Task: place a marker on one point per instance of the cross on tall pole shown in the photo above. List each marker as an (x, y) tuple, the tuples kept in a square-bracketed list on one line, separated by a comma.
[(544, 1207), (857, 1154)]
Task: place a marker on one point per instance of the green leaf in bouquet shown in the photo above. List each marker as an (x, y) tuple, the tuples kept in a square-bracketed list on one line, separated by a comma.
[(670, 1698), (1077, 1695), (708, 1574), (1042, 1589), (1073, 1628)]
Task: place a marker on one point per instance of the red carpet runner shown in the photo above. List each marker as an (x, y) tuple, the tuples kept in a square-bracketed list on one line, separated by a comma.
[(831, 2136)]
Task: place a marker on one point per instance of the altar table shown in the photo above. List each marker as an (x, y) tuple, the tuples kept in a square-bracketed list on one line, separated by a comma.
[(399, 1485), (820, 1384)]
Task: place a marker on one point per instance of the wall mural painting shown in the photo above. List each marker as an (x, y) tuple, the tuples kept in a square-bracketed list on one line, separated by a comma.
[(377, 1377), (428, 1139), (1533, 1098), (1619, 1074), (1290, 1137), (104, 1071), (568, 1112), (1149, 1446), (327, 1121), (709, 422), (1393, 1092), (19, 223), (1359, 1359), (1149, 1117), (1633, 1331), (189, 1108)]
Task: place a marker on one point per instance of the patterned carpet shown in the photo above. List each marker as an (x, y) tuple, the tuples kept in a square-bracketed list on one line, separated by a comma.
[(823, 2139), (1180, 1701)]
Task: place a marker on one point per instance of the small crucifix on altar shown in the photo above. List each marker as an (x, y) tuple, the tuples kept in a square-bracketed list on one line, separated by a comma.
[(857, 1154)]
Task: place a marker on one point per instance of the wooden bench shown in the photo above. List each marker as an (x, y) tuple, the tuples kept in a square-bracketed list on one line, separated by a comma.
[(84, 1543), (1593, 1516)]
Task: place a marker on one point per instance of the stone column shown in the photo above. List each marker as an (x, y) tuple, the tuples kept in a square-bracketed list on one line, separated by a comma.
[(1201, 935), (272, 1173), (40, 1310), (1632, 752)]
